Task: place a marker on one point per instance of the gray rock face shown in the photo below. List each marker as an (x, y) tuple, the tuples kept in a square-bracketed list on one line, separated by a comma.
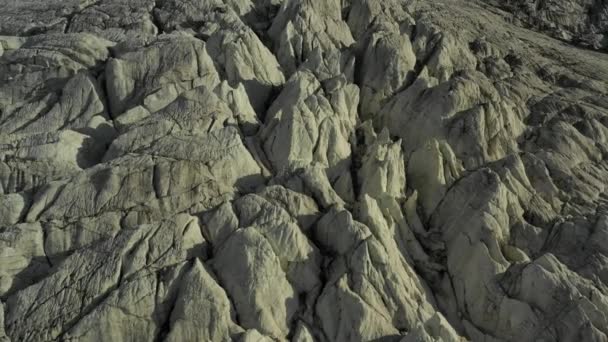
[(582, 22), (266, 170)]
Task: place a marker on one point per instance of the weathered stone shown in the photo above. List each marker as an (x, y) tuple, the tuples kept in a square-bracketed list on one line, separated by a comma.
[(273, 170), (173, 61)]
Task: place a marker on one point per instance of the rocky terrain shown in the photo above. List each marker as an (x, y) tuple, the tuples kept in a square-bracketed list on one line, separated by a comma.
[(581, 22), (303, 170)]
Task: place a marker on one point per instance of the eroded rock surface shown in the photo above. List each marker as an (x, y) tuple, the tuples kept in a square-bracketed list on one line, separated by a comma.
[(266, 170)]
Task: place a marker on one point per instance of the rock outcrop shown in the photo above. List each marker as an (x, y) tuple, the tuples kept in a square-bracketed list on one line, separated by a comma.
[(266, 170)]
